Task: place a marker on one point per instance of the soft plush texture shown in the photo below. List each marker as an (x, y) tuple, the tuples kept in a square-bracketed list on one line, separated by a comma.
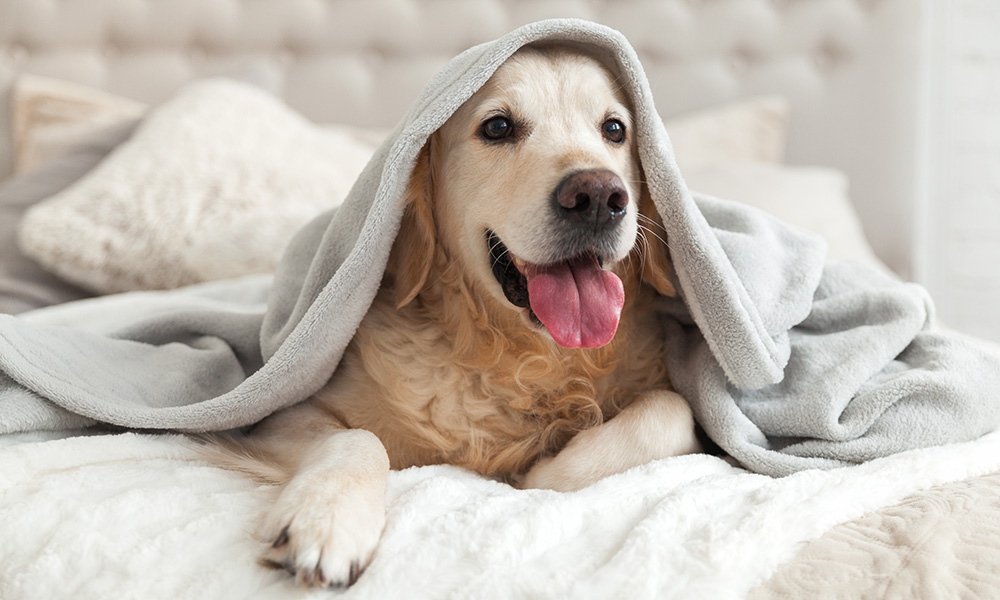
[(62, 131), (140, 516), (210, 186), (753, 130), (938, 543), (159, 216), (24, 284), (787, 363)]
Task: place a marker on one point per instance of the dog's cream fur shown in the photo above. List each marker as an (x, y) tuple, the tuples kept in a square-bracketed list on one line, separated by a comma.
[(443, 369)]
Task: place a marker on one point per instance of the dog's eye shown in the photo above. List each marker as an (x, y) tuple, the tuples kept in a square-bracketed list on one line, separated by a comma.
[(497, 128), (613, 130)]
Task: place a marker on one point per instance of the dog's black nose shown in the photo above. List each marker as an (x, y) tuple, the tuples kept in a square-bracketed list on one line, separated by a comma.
[(592, 198)]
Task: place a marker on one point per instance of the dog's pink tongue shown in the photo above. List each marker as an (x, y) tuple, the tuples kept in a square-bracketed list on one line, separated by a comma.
[(577, 301)]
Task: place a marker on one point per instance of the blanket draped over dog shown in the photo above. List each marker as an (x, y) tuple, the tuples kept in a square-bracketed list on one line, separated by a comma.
[(788, 362)]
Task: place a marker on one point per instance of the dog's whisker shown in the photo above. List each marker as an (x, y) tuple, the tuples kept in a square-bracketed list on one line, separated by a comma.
[(641, 251), (632, 257), (654, 234), (651, 221), (652, 224), (497, 245), (500, 256), (644, 252), (494, 247)]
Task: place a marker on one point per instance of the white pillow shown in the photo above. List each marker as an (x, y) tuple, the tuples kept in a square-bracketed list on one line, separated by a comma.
[(214, 183), (814, 198), (751, 130)]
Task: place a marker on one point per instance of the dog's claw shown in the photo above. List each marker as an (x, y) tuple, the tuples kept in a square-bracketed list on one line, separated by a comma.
[(325, 525), (310, 576), (354, 574), (282, 538), (268, 563)]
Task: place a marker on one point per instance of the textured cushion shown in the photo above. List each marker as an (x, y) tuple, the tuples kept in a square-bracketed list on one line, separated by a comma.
[(212, 184), (64, 131), (813, 198), (752, 130), (24, 285), (937, 543), (216, 182)]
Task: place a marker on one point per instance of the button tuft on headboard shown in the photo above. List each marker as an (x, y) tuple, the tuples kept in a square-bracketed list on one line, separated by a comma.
[(741, 59), (375, 58), (111, 51), (830, 55), (195, 53)]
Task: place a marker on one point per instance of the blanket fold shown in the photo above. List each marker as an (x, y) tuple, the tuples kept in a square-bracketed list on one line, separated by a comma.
[(788, 363)]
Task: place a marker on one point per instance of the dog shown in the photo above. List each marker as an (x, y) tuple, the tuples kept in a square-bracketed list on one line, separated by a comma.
[(514, 333)]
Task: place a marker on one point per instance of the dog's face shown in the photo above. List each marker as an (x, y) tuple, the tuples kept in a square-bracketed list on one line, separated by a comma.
[(534, 188)]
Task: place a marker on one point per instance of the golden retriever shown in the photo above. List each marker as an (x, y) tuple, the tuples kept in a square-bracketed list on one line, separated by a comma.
[(515, 319)]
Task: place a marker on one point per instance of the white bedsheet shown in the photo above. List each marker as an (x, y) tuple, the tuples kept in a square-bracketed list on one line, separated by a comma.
[(138, 516)]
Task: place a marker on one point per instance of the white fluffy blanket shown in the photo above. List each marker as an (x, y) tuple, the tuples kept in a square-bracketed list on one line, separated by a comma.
[(138, 516)]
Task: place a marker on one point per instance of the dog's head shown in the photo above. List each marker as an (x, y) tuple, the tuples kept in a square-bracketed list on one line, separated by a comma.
[(534, 186)]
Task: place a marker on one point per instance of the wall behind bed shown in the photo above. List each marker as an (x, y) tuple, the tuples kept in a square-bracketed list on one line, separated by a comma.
[(850, 68), (958, 234)]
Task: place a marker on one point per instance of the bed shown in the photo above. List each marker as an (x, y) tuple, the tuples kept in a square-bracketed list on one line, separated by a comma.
[(93, 513)]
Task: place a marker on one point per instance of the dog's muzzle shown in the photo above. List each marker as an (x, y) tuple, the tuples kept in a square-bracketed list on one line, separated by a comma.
[(577, 301)]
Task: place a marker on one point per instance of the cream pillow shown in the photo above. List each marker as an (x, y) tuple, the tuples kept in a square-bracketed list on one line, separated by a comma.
[(212, 184), (215, 182), (813, 198), (752, 130)]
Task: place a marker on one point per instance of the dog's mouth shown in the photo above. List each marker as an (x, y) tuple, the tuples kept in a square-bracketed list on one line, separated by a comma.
[(577, 301)]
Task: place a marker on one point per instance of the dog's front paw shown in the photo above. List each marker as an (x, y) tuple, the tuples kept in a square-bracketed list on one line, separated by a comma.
[(657, 425), (324, 529), (568, 471)]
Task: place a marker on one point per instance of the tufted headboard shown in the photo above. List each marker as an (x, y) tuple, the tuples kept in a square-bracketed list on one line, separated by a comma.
[(851, 68)]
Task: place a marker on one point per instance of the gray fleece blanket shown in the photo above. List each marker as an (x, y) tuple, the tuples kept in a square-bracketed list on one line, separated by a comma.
[(788, 362)]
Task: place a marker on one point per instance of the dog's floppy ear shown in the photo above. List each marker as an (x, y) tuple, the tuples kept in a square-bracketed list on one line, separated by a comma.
[(413, 251), (657, 270)]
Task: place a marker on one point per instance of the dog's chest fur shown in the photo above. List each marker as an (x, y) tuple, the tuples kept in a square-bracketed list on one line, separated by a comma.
[(484, 392)]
